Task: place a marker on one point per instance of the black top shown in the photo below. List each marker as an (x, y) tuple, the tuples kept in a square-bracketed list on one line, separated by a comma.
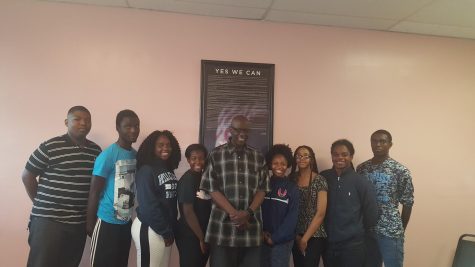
[(189, 192), (351, 208), (156, 195)]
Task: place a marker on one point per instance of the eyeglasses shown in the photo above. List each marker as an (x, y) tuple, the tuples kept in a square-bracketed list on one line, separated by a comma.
[(305, 157), (245, 131)]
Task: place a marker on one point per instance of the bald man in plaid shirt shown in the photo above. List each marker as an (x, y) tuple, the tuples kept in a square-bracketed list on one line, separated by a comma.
[(237, 179)]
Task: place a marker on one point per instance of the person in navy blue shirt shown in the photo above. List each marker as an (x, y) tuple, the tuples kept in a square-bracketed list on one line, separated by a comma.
[(351, 210), (153, 229), (279, 210)]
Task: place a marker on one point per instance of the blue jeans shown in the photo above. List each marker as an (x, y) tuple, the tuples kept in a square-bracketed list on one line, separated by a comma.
[(277, 255), (392, 250), (382, 248)]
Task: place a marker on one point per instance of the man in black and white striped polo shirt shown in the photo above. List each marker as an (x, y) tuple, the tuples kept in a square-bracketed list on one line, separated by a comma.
[(64, 165)]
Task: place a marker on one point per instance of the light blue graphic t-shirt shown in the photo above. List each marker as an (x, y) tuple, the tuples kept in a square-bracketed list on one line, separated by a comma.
[(117, 166)]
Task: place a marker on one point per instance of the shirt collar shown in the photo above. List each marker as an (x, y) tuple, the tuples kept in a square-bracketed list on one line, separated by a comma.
[(345, 172), (382, 163), (232, 148), (68, 139)]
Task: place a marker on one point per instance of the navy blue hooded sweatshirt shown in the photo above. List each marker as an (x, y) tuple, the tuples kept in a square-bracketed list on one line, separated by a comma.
[(351, 207), (280, 210), (157, 198)]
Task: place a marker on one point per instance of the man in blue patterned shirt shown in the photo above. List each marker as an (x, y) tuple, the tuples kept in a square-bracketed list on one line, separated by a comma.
[(237, 180), (393, 185)]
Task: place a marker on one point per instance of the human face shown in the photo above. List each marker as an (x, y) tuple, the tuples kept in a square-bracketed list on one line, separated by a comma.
[(79, 124), (303, 157), (380, 145), (279, 165), (163, 148), (129, 129), (239, 132), (197, 161), (341, 158)]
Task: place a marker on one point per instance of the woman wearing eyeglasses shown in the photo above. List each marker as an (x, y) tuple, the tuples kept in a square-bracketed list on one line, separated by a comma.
[(310, 241)]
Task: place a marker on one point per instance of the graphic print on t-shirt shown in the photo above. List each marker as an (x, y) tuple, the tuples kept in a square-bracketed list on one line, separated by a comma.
[(124, 189), (382, 183), (169, 182)]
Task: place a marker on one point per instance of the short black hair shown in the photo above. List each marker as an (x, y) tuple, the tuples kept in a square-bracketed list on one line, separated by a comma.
[(195, 147), (126, 113), (280, 149), (146, 152), (343, 142), (381, 131), (78, 108), (313, 159)]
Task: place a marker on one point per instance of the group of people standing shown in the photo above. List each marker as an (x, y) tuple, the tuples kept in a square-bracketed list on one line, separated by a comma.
[(237, 207)]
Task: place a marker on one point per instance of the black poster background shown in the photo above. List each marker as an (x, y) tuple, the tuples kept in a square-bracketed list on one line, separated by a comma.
[(236, 88)]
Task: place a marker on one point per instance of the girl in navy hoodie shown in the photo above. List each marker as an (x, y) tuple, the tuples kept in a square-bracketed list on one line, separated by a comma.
[(153, 229), (279, 210)]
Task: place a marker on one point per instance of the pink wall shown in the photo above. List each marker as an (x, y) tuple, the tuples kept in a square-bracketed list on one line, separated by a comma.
[(330, 83)]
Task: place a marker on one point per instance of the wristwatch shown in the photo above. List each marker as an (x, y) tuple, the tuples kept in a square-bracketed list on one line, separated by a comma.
[(250, 211)]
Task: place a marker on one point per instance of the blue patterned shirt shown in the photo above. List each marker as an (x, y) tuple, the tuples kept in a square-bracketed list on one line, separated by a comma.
[(393, 184)]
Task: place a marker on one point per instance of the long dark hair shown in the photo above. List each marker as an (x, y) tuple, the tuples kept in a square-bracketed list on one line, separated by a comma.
[(294, 175), (313, 159), (146, 152)]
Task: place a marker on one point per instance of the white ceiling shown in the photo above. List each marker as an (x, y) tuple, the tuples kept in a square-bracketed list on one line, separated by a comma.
[(453, 18)]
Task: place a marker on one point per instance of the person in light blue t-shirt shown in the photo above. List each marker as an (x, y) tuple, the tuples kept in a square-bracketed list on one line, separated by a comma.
[(112, 194)]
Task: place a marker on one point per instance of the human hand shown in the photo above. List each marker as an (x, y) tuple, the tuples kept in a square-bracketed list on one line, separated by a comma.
[(240, 217), (203, 247), (268, 239), (297, 238), (243, 227), (90, 227), (168, 241), (302, 244)]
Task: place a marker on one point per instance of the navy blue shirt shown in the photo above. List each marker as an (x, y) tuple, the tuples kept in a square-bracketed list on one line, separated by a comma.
[(156, 195), (280, 210), (351, 207)]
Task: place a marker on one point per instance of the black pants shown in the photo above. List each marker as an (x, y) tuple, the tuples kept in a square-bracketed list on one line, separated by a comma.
[(315, 249), (234, 256), (55, 244), (346, 254), (110, 244), (190, 252), (373, 256)]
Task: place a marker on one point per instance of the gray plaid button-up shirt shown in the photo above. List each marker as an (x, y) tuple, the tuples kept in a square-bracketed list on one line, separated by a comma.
[(238, 175)]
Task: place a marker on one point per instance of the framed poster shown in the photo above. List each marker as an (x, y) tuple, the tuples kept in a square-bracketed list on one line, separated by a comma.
[(236, 88)]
